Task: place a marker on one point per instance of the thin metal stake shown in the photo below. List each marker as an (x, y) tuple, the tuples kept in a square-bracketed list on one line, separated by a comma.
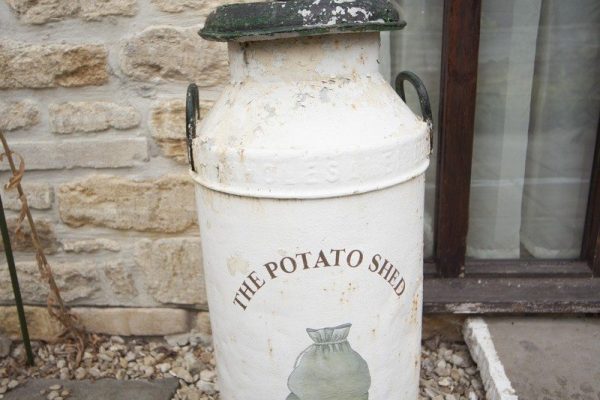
[(15, 284)]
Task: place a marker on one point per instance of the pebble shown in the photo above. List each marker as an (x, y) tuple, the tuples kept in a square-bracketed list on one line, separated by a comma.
[(130, 356), (457, 360), (206, 387), (454, 374), (117, 339), (208, 375), (80, 373), (95, 372), (192, 364), (149, 361), (442, 371), (121, 374), (182, 373), (444, 382), (178, 340), (164, 367), (148, 371), (105, 357)]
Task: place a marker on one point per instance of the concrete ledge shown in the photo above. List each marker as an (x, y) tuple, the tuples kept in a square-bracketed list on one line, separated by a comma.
[(109, 321), (549, 357), (134, 321), (478, 338)]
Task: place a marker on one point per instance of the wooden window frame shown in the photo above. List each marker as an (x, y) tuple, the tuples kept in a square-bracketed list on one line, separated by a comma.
[(454, 285)]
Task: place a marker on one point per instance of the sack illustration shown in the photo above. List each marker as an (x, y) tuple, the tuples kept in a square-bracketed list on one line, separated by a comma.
[(330, 369)]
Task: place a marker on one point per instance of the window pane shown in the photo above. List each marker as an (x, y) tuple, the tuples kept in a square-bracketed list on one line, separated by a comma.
[(418, 48), (538, 102)]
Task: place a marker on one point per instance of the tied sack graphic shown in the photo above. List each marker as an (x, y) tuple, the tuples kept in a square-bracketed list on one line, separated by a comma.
[(330, 369)]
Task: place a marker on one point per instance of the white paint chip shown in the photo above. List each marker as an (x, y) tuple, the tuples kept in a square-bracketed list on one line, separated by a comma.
[(304, 13), (478, 338)]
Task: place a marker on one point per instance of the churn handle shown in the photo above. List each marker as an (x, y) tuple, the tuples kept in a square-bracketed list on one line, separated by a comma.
[(192, 115), (423, 97)]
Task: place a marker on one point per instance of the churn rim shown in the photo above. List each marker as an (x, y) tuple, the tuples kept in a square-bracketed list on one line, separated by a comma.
[(275, 19)]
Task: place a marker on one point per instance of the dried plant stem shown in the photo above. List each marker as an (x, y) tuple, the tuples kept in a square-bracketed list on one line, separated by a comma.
[(72, 327)]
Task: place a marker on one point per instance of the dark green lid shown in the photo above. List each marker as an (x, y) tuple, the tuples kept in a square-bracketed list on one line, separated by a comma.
[(300, 17)]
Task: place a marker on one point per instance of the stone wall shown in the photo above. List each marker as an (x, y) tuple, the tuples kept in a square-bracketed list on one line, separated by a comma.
[(92, 98)]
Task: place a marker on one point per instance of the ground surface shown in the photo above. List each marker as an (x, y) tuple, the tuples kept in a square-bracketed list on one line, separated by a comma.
[(549, 358), (104, 389), (141, 366)]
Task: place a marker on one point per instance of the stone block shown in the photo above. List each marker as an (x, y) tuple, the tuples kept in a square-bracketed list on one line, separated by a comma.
[(203, 6), (92, 10), (172, 270), (160, 205), (40, 324), (109, 321), (88, 153), (41, 12), (23, 241), (40, 196), (167, 124), (77, 281), (90, 245), (24, 65), (74, 117), (167, 53), (18, 115), (134, 321)]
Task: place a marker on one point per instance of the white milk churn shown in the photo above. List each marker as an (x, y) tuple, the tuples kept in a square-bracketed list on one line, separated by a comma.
[(309, 172)]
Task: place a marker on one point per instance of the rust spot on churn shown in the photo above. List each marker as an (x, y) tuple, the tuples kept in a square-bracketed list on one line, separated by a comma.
[(415, 308)]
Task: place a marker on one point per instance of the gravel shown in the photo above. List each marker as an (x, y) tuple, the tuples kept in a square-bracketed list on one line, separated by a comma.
[(447, 370), (56, 392)]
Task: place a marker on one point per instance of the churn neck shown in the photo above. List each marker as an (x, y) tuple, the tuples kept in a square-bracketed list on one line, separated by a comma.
[(283, 19), (314, 58)]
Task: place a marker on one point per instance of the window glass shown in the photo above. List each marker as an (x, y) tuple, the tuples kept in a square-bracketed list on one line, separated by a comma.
[(418, 48), (538, 102)]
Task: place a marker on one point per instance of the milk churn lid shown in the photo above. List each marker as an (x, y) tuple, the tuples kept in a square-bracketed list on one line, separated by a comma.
[(274, 19)]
